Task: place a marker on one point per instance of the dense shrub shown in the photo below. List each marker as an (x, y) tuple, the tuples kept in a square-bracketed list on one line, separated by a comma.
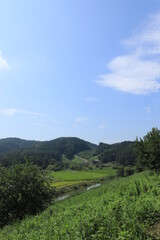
[(128, 171), (24, 189), (55, 167), (120, 171), (125, 171)]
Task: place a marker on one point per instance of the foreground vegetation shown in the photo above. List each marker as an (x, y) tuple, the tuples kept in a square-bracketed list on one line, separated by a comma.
[(24, 189), (122, 209)]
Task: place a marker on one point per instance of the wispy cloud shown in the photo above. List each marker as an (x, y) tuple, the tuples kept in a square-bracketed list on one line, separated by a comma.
[(102, 126), (138, 72), (51, 119), (43, 126), (148, 109), (79, 120), (92, 99), (12, 111), (3, 63)]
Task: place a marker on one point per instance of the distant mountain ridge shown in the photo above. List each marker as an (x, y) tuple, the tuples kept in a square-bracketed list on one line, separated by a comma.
[(13, 144), (44, 153)]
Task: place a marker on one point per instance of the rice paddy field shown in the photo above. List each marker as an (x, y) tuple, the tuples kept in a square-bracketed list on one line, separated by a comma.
[(68, 177)]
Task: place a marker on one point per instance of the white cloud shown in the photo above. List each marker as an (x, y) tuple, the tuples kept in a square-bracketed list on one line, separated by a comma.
[(138, 72), (79, 120), (53, 120), (147, 39), (92, 99), (102, 126), (43, 126), (3, 63), (11, 111), (148, 109)]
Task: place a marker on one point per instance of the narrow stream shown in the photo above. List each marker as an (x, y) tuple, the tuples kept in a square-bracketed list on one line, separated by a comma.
[(60, 198), (93, 186)]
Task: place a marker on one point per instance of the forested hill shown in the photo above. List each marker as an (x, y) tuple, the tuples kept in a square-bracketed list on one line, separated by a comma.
[(13, 144), (59, 144), (44, 153), (66, 145), (122, 153)]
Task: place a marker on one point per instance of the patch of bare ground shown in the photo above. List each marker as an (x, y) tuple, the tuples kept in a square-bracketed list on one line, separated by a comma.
[(154, 231)]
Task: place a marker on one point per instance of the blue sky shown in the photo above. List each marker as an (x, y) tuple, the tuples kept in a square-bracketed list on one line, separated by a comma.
[(84, 68)]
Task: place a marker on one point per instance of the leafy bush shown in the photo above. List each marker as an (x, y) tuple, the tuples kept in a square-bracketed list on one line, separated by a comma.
[(128, 171), (120, 171), (125, 171), (55, 167), (24, 189)]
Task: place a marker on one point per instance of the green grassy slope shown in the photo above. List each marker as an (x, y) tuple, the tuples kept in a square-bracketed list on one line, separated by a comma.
[(122, 209)]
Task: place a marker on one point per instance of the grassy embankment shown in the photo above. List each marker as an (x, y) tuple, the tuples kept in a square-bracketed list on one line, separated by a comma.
[(123, 209)]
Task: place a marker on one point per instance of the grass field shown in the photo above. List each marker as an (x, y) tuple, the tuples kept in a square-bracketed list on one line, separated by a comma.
[(65, 178), (122, 209), (65, 183)]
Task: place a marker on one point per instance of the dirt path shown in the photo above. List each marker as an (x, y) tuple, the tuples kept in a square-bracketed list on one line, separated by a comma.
[(154, 231)]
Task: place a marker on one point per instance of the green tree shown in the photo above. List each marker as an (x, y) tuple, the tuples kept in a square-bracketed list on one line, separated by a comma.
[(128, 171), (24, 189), (120, 171), (147, 150)]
